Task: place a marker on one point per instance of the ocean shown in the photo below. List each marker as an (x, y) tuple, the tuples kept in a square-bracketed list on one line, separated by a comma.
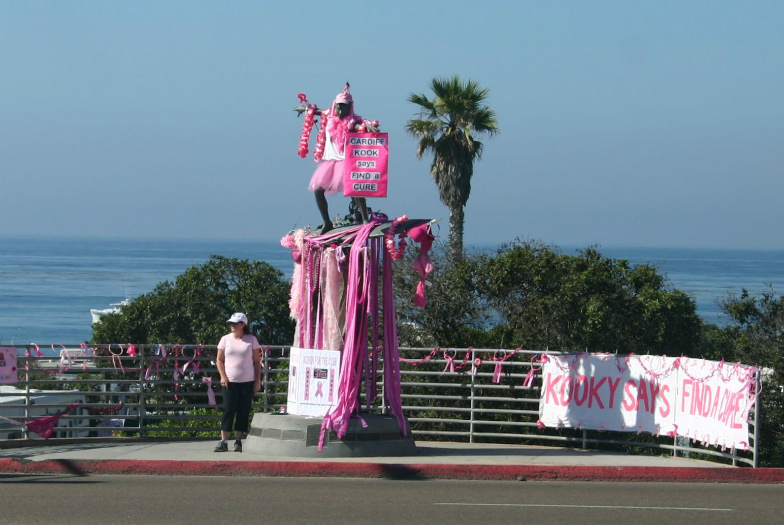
[(49, 285)]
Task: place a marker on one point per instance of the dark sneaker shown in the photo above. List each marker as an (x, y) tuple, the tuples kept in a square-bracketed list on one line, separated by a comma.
[(238, 446), (222, 447)]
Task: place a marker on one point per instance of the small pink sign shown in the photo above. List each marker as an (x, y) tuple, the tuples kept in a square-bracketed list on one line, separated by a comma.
[(367, 161), (8, 372)]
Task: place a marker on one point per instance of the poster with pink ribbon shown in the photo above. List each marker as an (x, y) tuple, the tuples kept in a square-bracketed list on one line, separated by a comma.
[(706, 401), (313, 381), (8, 371), (366, 165)]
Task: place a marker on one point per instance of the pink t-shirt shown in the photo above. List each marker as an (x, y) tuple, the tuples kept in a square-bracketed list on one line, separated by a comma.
[(238, 354)]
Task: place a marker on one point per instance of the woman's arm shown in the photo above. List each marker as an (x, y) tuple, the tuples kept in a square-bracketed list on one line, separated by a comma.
[(257, 369), (220, 362)]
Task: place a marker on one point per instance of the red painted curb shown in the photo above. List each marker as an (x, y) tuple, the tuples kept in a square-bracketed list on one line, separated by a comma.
[(396, 471)]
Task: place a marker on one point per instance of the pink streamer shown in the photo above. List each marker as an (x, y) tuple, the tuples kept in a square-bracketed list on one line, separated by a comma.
[(499, 361), (191, 362), (497, 372), (117, 359), (210, 392), (529, 379), (355, 344), (45, 425), (391, 350), (450, 361), (65, 359), (422, 264)]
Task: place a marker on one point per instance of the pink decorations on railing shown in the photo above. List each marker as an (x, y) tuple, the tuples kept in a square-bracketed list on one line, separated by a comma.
[(529, 377), (106, 410), (45, 425), (65, 359), (423, 360), (498, 361), (117, 356), (191, 360)]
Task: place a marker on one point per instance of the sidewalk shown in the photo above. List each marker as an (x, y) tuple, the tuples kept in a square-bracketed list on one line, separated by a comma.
[(434, 460)]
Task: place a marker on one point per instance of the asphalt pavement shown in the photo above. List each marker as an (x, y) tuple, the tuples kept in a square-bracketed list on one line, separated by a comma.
[(433, 460)]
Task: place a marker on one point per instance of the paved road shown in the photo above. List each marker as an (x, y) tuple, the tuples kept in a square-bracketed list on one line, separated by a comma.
[(432, 461), (134, 499)]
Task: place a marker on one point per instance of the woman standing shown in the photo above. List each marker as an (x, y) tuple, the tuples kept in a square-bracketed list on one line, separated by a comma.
[(239, 365)]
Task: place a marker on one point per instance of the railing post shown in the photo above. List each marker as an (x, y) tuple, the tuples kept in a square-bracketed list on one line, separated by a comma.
[(142, 393), (473, 396), (755, 449), (265, 377), (26, 432), (142, 372)]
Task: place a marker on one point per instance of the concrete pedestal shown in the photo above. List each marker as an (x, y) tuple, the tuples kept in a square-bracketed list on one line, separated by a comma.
[(286, 435)]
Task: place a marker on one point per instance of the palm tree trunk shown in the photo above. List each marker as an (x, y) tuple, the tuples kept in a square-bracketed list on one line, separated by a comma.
[(456, 219)]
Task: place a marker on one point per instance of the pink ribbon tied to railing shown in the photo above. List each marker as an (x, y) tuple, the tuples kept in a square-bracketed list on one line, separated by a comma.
[(529, 377), (192, 361), (449, 355), (45, 425), (87, 353), (117, 357), (65, 359), (210, 392), (29, 355), (153, 369), (37, 351), (176, 370), (505, 355), (423, 360), (106, 410)]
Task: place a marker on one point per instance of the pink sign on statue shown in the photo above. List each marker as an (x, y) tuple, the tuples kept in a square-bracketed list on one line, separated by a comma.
[(367, 161)]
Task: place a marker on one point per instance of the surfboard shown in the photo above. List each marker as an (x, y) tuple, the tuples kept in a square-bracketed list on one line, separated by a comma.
[(378, 231)]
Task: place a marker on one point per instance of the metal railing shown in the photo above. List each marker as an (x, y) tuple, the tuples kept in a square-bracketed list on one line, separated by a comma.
[(465, 395)]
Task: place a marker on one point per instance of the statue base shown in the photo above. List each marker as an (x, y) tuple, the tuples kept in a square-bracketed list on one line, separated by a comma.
[(288, 435)]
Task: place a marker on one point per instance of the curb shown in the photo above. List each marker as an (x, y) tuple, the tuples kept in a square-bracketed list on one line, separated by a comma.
[(396, 471)]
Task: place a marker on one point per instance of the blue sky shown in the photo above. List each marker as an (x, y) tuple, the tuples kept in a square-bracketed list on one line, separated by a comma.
[(622, 123)]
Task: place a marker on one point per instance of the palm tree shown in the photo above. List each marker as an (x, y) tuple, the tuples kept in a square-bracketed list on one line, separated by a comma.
[(446, 125)]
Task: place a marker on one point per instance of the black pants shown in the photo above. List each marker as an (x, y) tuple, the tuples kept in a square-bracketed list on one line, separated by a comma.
[(237, 401)]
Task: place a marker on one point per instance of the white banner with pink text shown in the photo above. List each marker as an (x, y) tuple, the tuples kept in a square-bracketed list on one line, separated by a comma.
[(706, 401)]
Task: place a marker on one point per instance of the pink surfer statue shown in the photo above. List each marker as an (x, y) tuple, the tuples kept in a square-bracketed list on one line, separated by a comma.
[(330, 153)]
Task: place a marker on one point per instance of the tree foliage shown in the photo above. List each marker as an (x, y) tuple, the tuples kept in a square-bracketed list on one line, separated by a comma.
[(532, 296), (453, 315), (586, 302), (755, 336), (195, 307)]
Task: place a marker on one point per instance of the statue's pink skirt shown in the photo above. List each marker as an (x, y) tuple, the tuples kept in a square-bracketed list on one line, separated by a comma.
[(328, 176)]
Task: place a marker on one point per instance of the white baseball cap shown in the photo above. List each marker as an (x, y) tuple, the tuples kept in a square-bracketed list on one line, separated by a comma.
[(239, 317)]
